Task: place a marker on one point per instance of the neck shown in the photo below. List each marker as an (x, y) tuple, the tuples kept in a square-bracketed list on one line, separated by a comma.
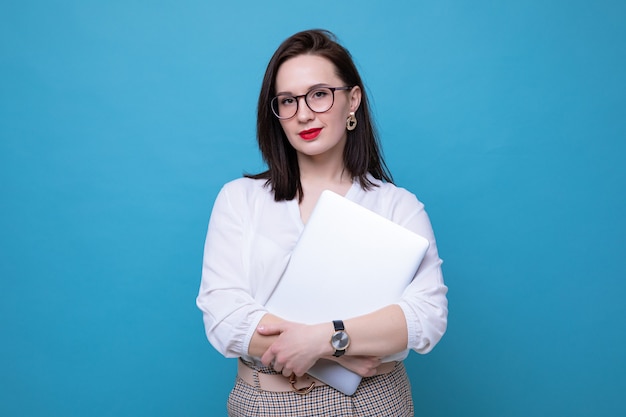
[(323, 171)]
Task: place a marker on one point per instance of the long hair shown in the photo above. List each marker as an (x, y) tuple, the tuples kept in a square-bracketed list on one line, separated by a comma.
[(362, 154)]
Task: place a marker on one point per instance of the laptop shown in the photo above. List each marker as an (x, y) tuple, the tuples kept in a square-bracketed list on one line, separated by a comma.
[(348, 261)]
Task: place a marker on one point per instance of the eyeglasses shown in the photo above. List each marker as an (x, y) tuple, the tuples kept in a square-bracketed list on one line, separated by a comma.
[(318, 99)]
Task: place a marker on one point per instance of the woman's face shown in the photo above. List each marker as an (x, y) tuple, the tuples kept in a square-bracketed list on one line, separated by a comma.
[(315, 134)]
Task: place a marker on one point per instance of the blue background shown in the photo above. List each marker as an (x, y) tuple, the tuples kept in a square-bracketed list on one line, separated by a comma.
[(120, 120)]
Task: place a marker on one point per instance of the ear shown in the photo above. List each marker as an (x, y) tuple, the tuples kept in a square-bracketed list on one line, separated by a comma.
[(355, 98)]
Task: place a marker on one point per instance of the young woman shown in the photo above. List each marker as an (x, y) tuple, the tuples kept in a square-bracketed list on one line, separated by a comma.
[(315, 133)]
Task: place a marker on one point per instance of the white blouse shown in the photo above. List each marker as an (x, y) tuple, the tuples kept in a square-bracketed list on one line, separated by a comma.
[(248, 244)]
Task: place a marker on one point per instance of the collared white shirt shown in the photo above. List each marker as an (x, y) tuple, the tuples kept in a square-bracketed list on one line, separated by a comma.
[(248, 244)]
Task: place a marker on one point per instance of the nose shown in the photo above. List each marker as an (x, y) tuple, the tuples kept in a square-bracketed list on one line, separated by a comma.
[(304, 113)]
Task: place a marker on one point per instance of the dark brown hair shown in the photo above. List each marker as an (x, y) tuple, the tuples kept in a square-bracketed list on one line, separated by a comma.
[(362, 154)]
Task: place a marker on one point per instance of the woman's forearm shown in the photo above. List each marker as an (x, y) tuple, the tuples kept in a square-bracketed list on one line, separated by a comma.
[(260, 343), (380, 333)]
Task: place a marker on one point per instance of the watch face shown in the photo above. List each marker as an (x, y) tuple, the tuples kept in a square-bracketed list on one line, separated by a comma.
[(340, 340)]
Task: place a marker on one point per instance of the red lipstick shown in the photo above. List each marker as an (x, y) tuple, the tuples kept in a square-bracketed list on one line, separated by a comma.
[(310, 134)]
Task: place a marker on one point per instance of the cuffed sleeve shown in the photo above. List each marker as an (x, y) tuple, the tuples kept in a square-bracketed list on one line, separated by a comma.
[(229, 310), (424, 302)]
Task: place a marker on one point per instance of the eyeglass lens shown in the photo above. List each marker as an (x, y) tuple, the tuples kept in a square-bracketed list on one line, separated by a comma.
[(319, 100)]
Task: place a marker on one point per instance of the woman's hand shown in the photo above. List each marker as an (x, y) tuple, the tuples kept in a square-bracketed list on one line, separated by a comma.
[(363, 365), (297, 347)]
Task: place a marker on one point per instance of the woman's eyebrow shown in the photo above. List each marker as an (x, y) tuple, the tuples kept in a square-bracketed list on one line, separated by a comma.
[(314, 86)]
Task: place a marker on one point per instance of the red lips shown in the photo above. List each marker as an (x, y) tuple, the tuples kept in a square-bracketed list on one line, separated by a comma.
[(310, 134)]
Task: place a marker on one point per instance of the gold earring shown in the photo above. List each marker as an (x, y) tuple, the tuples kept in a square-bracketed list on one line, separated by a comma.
[(351, 121)]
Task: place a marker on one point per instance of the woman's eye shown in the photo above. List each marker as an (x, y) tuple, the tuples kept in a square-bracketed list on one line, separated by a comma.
[(319, 93), (287, 101)]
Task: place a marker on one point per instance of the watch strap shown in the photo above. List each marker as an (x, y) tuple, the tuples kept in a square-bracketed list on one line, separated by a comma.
[(338, 325)]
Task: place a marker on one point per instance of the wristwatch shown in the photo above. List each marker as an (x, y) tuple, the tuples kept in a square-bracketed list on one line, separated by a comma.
[(340, 339)]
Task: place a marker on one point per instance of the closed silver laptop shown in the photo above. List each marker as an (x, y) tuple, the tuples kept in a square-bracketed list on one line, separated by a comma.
[(349, 261)]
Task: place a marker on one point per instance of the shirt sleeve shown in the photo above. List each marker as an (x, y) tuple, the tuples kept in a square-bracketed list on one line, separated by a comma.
[(230, 312), (424, 301)]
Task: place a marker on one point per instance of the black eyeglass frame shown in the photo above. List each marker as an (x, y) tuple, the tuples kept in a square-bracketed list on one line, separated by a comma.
[(297, 98)]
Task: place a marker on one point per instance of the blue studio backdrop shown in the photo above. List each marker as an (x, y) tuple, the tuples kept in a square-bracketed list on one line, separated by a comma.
[(121, 120)]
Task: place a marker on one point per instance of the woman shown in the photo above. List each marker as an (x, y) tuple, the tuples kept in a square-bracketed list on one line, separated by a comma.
[(315, 133)]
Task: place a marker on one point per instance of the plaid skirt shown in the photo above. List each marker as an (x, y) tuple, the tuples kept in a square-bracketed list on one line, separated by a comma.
[(381, 395)]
